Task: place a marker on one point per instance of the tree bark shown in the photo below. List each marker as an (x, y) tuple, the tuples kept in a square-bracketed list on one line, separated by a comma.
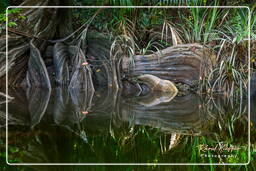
[(186, 63), (181, 63), (43, 23)]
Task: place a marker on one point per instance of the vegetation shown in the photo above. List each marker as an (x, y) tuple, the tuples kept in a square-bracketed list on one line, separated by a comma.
[(223, 30), (143, 31), (121, 141), (16, 13)]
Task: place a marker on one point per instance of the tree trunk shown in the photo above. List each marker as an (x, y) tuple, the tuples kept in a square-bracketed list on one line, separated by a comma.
[(31, 61), (42, 23), (185, 63)]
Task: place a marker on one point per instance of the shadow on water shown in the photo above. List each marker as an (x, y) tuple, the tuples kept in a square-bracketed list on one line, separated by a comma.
[(65, 126)]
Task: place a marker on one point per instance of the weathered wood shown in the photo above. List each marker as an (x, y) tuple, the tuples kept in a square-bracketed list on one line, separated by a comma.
[(40, 22), (181, 63), (81, 72), (37, 74), (98, 54), (60, 60)]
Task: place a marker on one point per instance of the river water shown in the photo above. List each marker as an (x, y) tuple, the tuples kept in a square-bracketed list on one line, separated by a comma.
[(62, 126)]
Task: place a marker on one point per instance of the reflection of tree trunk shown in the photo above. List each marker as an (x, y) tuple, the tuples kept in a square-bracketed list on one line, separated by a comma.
[(60, 104), (156, 98), (38, 103), (179, 115)]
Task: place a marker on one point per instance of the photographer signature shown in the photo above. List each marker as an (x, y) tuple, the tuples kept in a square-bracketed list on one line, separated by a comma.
[(220, 147)]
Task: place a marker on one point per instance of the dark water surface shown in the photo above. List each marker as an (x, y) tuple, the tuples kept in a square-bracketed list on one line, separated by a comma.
[(65, 126)]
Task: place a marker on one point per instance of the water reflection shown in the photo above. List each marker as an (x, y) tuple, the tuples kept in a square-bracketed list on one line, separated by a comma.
[(37, 103), (67, 125), (70, 107)]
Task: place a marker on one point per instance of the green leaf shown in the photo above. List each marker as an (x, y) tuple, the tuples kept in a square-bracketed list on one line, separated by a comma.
[(11, 24), (14, 149)]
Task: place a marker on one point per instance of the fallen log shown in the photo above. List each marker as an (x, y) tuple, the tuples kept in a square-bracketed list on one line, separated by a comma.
[(186, 63), (182, 63)]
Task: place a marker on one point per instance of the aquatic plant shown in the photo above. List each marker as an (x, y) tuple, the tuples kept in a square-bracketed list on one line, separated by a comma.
[(225, 31)]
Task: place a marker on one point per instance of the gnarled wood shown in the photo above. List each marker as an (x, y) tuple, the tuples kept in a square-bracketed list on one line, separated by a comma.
[(60, 60), (181, 64), (81, 72), (37, 75), (44, 23)]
